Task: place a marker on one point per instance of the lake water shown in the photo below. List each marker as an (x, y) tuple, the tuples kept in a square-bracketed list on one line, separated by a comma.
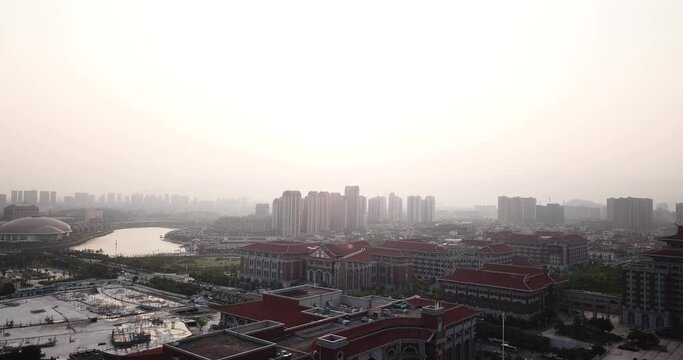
[(131, 242)]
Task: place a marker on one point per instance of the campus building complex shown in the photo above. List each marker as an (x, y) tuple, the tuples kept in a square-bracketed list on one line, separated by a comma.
[(520, 291), (654, 287)]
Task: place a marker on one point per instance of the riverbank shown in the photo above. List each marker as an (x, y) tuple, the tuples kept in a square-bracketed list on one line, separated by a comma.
[(133, 242), (7, 246)]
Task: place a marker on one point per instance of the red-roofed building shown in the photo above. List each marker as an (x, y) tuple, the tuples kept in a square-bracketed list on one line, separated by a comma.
[(430, 260), (283, 261), (518, 290), (654, 288), (355, 265), (306, 322), (556, 251)]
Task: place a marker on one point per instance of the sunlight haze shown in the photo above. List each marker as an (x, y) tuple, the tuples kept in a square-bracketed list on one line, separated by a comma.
[(462, 100)]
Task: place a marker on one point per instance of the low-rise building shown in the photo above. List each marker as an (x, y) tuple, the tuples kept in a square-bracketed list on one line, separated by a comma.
[(556, 251), (312, 322), (430, 260), (516, 290)]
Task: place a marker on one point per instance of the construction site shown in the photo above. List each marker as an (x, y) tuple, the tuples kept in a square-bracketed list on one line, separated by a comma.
[(113, 318)]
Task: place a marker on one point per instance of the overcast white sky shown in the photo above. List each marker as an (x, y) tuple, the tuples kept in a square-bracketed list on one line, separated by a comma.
[(463, 100)]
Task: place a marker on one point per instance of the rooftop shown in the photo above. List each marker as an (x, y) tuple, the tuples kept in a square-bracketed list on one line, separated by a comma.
[(219, 345), (412, 246), (305, 291), (505, 278), (271, 307), (35, 225)]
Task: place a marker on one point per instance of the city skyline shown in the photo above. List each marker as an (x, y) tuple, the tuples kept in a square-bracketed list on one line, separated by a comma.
[(51, 197), (559, 100)]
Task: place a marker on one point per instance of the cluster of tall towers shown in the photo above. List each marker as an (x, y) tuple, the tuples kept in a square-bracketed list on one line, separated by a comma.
[(321, 212), (30, 197)]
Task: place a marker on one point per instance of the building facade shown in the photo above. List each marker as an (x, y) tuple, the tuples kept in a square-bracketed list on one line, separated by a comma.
[(558, 251), (282, 261), (654, 287), (516, 209), (377, 210), (630, 213), (395, 209), (13, 212), (515, 290)]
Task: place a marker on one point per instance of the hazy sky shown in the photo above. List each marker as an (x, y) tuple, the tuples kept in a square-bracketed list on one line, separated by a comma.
[(463, 100)]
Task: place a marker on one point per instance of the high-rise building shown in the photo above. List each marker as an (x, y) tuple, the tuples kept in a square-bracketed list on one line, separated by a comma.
[(395, 209), (20, 199), (119, 201), (290, 209), (31, 197), (53, 198), (630, 213), (82, 199), (353, 208), (324, 209), (662, 206), (44, 198), (377, 210), (516, 209), (317, 210), (277, 222), (15, 197), (262, 210), (679, 213), (428, 209), (414, 209), (111, 199), (337, 212), (363, 221), (3, 200), (550, 214)]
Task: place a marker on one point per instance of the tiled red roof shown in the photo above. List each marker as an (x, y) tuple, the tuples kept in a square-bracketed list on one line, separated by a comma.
[(500, 248), (572, 239), (362, 257), (280, 247), (548, 233), (519, 238), (382, 251), (413, 246), (514, 269), (459, 313), (344, 249), (387, 336), (286, 311), (523, 261), (476, 242), (666, 253), (505, 280)]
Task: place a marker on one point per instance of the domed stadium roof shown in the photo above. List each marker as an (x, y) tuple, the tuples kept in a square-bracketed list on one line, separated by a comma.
[(37, 225)]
